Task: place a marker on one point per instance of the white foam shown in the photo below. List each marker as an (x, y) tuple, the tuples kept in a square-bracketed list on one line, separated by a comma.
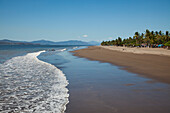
[(75, 47), (62, 49), (31, 85)]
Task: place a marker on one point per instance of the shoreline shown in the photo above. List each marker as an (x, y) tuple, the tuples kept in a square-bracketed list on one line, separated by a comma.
[(154, 66)]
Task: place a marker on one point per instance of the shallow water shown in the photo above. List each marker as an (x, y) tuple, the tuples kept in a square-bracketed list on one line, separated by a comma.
[(96, 87)]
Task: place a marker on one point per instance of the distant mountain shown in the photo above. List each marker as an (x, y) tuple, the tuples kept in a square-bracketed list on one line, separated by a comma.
[(46, 42), (70, 42), (11, 42)]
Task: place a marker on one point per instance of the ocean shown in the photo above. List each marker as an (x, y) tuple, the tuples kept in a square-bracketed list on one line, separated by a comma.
[(49, 79), (28, 84)]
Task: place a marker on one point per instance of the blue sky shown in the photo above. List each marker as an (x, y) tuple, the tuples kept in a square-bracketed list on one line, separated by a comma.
[(86, 20)]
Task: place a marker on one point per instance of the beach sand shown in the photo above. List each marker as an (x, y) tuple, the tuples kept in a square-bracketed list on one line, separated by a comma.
[(148, 62), (154, 51)]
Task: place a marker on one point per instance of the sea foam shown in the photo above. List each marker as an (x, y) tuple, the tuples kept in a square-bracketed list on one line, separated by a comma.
[(30, 85)]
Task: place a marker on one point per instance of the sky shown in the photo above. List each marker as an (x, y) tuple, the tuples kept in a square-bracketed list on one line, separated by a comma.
[(86, 20)]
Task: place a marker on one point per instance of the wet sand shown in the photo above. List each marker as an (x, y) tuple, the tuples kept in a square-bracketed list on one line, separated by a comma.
[(155, 66), (96, 87)]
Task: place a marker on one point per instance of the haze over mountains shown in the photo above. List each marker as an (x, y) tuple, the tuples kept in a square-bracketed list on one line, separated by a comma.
[(46, 42)]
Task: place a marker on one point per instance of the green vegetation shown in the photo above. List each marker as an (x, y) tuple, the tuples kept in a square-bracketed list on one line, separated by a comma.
[(150, 38), (167, 44)]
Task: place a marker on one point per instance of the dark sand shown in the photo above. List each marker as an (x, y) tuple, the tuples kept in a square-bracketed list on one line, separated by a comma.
[(96, 87), (153, 66)]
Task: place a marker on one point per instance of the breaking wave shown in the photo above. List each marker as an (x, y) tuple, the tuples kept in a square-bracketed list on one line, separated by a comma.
[(63, 49), (75, 47), (30, 85)]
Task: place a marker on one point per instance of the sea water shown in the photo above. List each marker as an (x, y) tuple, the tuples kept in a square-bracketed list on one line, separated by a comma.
[(28, 84)]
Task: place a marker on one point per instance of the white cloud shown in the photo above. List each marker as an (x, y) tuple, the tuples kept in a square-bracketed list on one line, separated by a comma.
[(85, 36)]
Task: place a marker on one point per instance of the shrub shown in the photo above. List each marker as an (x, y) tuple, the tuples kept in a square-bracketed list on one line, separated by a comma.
[(167, 44)]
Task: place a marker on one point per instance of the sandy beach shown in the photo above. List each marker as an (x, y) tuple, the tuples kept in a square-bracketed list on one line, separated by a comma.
[(148, 62), (153, 51)]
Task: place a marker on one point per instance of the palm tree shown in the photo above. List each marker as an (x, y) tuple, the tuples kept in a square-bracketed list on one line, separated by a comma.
[(130, 40), (160, 32), (161, 37), (156, 32), (113, 42), (147, 37), (167, 36), (124, 41), (119, 41), (103, 43), (152, 37), (116, 42), (141, 39), (136, 37), (156, 37)]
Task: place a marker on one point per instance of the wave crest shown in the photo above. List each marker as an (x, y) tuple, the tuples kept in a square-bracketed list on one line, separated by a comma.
[(30, 85)]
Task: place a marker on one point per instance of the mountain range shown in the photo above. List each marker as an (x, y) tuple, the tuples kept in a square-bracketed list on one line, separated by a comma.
[(46, 42)]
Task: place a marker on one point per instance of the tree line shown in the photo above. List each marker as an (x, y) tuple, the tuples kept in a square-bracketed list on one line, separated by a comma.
[(150, 38)]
